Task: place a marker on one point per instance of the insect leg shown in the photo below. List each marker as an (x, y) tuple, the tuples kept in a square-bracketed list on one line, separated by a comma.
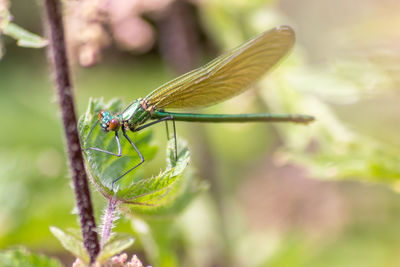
[(108, 152), (176, 143), (168, 118), (134, 167), (176, 146), (166, 127)]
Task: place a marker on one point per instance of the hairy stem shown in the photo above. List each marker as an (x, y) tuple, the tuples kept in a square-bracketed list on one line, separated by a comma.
[(58, 58), (108, 220)]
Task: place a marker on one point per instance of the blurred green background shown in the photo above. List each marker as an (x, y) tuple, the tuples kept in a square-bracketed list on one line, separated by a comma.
[(280, 195)]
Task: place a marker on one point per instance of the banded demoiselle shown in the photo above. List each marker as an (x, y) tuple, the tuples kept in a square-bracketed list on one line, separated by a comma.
[(226, 76)]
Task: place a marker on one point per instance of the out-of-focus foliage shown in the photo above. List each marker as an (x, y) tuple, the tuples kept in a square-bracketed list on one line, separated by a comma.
[(72, 241), (24, 38), (330, 149), (22, 258)]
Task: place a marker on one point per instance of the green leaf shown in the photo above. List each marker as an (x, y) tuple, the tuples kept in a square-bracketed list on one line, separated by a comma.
[(71, 241), (24, 38), (149, 190), (21, 257), (115, 245), (169, 192)]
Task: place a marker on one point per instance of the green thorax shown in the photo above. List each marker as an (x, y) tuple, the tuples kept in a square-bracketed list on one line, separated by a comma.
[(135, 114)]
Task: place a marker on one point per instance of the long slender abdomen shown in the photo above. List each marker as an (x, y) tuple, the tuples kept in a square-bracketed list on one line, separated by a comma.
[(259, 117)]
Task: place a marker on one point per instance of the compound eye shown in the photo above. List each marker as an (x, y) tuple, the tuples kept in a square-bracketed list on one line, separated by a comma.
[(102, 114), (114, 125)]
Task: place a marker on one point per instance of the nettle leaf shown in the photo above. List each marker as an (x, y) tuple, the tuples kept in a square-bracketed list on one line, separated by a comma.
[(117, 243), (148, 191), (71, 241), (21, 257), (104, 168), (24, 38), (169, 192)]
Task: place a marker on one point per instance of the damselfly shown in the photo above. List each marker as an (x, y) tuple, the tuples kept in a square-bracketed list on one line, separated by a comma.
[(221, 79)]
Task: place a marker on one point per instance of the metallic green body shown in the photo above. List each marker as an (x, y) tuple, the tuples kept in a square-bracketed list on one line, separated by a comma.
[(130, 110), (134, 115)]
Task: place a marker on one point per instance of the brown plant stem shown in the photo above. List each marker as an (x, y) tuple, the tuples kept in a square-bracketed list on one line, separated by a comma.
[(58, 58)]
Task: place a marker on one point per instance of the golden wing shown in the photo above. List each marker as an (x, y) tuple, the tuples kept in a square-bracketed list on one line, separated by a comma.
[(226, 76)]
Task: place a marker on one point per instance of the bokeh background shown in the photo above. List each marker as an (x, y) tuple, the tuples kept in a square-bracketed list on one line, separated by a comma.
[(279, 195)]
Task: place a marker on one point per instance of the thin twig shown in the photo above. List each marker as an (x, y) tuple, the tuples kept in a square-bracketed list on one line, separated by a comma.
[(58, 57)]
